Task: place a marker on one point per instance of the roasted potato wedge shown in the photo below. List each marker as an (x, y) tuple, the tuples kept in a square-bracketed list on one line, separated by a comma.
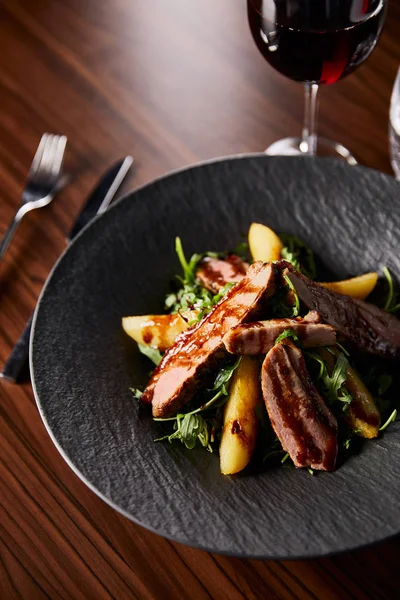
[(241, 424), (159, 331), (362, 415), (357, 287), (264, 244)]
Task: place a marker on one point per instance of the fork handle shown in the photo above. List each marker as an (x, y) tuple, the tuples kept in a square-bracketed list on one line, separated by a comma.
[(9, 234), (17, 364)]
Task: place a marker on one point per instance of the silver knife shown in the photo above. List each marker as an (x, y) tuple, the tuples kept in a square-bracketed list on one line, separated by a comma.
[(16, 368)]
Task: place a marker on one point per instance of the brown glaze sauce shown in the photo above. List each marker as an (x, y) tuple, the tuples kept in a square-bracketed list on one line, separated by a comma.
[(215, 273), (369, 328), (359, 411), (296, 418), (198, 349), (147, 334), (236, 428)]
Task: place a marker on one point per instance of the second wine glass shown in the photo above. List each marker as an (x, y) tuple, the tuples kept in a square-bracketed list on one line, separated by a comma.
[(315, 42)]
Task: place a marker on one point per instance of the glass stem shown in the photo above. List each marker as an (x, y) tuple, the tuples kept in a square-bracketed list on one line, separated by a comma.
[(309, 136)]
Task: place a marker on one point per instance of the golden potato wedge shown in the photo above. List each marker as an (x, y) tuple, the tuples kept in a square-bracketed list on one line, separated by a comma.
[(159, 331), (362, 415), (357, 287), (241, 424), (264, 244)]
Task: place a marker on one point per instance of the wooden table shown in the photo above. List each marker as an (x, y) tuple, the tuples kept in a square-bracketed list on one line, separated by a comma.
[(170, 83)]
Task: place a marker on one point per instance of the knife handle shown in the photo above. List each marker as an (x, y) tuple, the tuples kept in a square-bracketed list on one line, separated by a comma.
[(16, 368)]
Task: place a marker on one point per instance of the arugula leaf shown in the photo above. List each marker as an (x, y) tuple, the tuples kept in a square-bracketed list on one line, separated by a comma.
[(288, 333), (333, 385), (242, 251), (391, 419), (273, 449), (187, 273), (137, 394), (339, 373), (278, 305), (296, 305), (298, 254), (223, 377), (384, 382), (189, 429), (191, 426), (347, 437), (192, 295), (152, 353), (347, 442), (219, 389), (392, 303), (222, 292)]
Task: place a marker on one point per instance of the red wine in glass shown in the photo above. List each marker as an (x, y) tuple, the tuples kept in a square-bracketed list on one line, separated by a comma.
[(315, 42)]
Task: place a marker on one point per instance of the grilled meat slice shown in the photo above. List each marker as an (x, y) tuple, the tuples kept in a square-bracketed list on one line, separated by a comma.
[(215, 273), (304, 425), (368, 327), (259, 337), (312, 317), (198, 350)]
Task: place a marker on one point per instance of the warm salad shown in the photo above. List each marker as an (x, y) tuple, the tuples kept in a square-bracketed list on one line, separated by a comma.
[(256, 358)]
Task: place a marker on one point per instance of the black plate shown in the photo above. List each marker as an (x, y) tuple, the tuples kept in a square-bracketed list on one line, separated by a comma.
[(83, 363)]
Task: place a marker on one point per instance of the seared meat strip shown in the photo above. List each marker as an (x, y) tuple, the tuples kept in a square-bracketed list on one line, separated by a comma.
[(215, 273), (368, 327), (304, 425), (199, 349), (259, 337), (312, 317)]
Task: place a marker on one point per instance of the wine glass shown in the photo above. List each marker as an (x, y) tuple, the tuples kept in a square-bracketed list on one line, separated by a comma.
[(315, 42), (394, 127)]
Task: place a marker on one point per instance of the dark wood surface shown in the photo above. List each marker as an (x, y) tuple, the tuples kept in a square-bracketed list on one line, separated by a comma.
[(170, 83)]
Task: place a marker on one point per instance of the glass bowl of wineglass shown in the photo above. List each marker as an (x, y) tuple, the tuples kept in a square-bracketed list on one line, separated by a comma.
[(316, 42)]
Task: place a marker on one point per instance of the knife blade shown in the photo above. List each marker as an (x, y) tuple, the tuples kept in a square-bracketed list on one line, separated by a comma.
[(102, 195), (16, 368)]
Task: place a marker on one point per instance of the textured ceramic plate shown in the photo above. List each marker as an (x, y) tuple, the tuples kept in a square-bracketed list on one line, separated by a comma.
[(83, 364)]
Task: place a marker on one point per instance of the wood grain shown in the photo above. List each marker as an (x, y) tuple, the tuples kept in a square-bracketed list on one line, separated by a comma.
[(171, 83)]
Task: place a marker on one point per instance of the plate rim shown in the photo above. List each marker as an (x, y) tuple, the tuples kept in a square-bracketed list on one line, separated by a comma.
[(76, 471)]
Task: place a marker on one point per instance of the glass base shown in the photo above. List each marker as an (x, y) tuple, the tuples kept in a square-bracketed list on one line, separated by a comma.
[(296, 147)]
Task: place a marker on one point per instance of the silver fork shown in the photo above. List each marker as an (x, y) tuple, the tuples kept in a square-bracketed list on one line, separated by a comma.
[(44, 180)]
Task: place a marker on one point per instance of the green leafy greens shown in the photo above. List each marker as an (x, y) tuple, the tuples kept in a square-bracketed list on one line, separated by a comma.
[(391, 419), (296, 304), (384, 382), (298, 254), (242, 251), (192, 295), (137, 394), (288, 333), (190, 427), (392, 303), (152, 353), (333, 384)]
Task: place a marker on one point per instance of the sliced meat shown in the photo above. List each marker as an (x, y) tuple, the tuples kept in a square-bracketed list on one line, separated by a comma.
[(259, 337), (199, 349), (368, 327), (303, 423), (215, 273), (312, 317)]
